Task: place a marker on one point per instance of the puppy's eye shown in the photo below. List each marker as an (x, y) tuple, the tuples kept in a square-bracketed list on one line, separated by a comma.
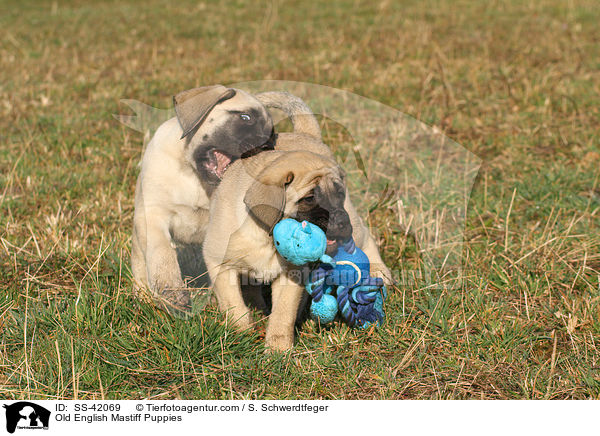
[(245, 117), (308, 199)]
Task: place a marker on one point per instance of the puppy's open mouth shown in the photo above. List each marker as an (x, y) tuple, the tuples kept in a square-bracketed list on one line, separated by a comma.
[(217, 163), (331, 246)]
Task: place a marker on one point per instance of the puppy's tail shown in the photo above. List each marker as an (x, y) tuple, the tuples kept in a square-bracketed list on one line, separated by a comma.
[(294, 107)]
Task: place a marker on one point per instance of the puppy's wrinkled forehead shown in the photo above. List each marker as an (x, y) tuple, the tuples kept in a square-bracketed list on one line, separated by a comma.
[(331, 190), (241, 104), (326, 179)]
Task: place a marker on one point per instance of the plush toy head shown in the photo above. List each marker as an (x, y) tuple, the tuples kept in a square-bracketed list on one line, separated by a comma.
[(299, 243)]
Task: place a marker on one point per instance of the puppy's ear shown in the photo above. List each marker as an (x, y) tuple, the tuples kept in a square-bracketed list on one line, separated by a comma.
[(266, 199), (192, 106)]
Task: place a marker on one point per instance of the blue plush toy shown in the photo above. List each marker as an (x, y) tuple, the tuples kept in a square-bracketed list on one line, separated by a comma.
[(358, 296), (299, 243)]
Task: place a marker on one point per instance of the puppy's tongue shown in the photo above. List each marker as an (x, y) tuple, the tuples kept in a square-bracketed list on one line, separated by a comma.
[(332, 247), (222, 163)]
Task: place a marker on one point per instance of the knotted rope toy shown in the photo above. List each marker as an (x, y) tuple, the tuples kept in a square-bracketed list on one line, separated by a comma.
[(341, 282)]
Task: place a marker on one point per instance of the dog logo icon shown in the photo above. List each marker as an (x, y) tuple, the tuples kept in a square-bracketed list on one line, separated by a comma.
[(26, 415)]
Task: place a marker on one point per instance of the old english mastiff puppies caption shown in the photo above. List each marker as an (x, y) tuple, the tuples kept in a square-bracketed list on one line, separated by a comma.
[(253, 196)]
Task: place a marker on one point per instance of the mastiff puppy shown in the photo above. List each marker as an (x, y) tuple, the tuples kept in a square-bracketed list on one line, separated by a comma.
[(183, 163), (299, 179)]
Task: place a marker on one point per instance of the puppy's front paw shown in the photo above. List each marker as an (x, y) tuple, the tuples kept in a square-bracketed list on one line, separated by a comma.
[(382, 272), (176, 301), (240, 322), (279, 342)]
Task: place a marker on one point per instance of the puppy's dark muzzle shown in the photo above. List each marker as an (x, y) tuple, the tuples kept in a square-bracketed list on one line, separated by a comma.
[(258, 145), (339, 227)]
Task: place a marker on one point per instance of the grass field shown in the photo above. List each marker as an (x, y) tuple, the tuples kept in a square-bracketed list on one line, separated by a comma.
[(516, 83)]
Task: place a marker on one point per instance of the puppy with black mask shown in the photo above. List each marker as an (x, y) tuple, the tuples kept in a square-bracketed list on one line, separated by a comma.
[(183, 163), (222, 125)]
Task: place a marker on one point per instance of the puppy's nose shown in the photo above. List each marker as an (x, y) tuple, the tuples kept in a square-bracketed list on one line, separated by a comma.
[(339, 227), (253, 144)]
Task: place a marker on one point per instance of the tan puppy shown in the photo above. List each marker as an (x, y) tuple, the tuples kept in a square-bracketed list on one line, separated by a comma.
[(253, 196), (181, 166)]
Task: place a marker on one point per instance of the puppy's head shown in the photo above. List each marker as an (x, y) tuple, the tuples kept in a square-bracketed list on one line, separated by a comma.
[(303, 186), (222, 125)]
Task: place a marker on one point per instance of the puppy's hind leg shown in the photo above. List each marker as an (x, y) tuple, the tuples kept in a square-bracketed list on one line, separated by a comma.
[(138, 265), (138, 241), (164, 275)]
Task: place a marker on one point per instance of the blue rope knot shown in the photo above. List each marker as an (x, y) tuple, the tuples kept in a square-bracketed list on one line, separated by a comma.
[(359, 296)]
